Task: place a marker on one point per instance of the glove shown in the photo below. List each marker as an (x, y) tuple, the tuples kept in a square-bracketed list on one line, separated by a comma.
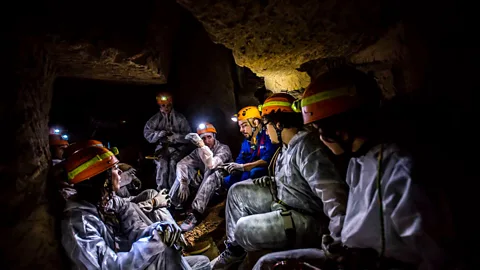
[(263, 181), (162, 134), (195, 139), (183, 192), (234, 167), (169, 232), (162, 199), (333, 248), (146, 206)]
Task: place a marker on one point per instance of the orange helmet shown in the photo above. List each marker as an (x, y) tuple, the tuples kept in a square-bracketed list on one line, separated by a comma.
[(164, 98), (74, 147), (88, 162), (337, 91), (206, 128), (248, 112), (278, 102), (56, 140)]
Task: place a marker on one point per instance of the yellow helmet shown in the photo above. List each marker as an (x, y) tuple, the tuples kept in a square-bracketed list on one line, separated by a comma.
[(248, 112)]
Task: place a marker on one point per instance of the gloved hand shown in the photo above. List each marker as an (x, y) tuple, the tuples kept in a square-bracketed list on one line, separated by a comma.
[(263, 181), (195, 139), (162, 134), (235, 167), (333, 248), (169, 232), (162, 199), (146, 206), (183, 192)]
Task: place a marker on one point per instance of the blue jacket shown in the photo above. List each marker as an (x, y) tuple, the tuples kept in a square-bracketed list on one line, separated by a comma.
[(263, 149)]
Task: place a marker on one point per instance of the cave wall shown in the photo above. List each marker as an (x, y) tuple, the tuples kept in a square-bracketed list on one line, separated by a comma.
[(28, 233), (203, 81)]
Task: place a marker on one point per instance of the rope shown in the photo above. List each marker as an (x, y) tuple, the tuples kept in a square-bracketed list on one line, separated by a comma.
[(380, 200)]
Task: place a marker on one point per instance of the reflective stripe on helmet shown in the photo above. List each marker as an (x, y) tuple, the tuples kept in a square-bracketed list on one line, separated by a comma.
[(325, 95), (89, 163)]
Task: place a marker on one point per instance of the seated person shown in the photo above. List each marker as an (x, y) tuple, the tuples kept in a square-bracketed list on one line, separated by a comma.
[(103, 231), (390, 223), (256, 150), (205, 159), (303, 198)]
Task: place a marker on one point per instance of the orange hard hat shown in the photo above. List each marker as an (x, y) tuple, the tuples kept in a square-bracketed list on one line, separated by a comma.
[(56, 140), (249, 112), (88, 162), (74, 147), (164, 98), (206, 128), (278, 102), (337, 91)]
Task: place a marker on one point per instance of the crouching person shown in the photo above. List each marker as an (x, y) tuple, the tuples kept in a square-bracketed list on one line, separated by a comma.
[(103, 231), (205, 159)]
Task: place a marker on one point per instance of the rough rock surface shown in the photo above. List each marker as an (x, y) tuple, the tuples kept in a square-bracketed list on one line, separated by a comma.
[(274, 37), (28, 226)]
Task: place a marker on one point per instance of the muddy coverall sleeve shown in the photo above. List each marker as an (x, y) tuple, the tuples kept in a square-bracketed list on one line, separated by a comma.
[(149, 132), (326, 183), (413, 216), (191, 161), (223, 155), (184, 129), (83, 240)]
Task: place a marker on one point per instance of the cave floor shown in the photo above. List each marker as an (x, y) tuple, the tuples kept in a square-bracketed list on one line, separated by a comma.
[(208, 237)]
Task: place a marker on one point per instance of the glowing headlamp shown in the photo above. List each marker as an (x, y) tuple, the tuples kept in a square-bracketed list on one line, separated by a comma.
[(56, 131), (202, 126), (234, 118), (65, 136)]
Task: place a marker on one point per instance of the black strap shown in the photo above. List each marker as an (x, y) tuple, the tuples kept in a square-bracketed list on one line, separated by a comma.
[(289, 227)]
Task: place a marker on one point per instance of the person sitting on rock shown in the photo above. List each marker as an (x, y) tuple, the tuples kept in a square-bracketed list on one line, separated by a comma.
[(199, 171)]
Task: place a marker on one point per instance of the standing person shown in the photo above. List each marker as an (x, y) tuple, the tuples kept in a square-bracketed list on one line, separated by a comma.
[(167, 129)]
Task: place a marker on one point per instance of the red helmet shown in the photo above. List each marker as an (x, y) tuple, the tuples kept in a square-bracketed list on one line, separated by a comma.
[(278, 102), (337, 91), (206, 128), (164, 98), (88, 162), (74, 147), (56, 140)]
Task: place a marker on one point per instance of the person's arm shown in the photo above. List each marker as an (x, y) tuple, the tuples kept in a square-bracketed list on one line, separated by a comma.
[(266, 156), (184, 129), (191, 161), (326, 183), (413, 215), (82, 239), (149, 131), (223, 155), (244, 150)]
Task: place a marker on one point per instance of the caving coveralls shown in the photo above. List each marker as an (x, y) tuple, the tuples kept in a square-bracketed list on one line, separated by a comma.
[(307, 184), (408, 214), (207, 182), (91, 243)]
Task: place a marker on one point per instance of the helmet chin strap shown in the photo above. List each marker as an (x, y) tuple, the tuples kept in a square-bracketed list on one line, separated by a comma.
[(255, 130)]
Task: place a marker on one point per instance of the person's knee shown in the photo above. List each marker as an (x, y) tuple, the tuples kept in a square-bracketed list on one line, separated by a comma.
[(243, 233), (199, 262)]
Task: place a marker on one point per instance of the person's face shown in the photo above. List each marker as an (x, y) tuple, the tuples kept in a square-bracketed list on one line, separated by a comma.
[(58, 151), (116, 174), (330, 143), (209, 140), (166, 108), (272, 133), (245, 128)]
